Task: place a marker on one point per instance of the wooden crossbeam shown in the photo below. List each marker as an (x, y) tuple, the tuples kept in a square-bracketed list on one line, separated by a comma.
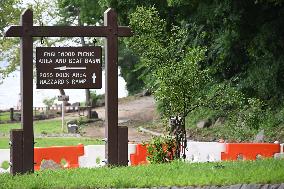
[(68, 31)]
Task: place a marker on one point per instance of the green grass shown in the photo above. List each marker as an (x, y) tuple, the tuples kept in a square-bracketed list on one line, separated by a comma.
[(4, 116), (55, 141), (40, 127), (174, 174)]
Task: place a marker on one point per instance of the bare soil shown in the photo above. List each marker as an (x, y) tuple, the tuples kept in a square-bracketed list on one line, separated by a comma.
[(133, 113)]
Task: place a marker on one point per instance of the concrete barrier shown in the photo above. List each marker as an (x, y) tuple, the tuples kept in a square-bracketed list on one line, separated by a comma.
[(4, 157), (204, 151), (95, 155)]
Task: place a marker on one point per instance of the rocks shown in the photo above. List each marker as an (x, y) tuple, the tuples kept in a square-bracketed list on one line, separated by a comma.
[(94, 115), (74, 121), (40, 117), (204, 123), (220, 121), (146, 92), (259, 137), (49, 164), (100, 102), (17, 116), (72, 126)]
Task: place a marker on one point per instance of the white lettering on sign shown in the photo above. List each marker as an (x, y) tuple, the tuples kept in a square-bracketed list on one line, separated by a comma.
[(61, 74), (48, 53), (92, 60), (79, 75), (86, 53), (51, 81), (60, 60), (45, 61), (78, 81), (75, 60), (66, 53), (45, 74), (68, 67)]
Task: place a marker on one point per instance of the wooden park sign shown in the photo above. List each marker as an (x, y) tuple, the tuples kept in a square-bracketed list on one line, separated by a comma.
[(22, 140), (69, 67)]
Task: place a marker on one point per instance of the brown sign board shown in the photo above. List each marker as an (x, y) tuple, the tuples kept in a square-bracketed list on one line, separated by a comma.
[(69, 67)]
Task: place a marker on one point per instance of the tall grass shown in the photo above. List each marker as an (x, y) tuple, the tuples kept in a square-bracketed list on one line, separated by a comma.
[(173, 174)]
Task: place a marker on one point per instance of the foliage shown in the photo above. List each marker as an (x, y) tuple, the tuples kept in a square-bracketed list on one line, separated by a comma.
[(94, 98), (89, 11), (177, 173), (4, 116), (128, 62), (170, 68), (44, 12), (161, 149), (242, 45), (49, 101), (9, 14)]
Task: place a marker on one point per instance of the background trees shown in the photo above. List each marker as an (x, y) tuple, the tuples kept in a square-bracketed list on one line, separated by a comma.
[(226, 56), (242, 43), (9, 14)]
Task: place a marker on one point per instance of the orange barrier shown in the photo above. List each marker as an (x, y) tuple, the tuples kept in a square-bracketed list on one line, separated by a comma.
[(249, 151), (140, 155), (58, 153)]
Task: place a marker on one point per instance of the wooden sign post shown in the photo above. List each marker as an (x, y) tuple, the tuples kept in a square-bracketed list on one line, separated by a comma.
[(22, 141)]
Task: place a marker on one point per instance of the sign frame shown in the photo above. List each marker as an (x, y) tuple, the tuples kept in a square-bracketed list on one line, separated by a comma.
[(115, 145)]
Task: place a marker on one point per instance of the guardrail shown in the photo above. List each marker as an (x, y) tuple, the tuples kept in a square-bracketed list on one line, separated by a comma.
[(91, 156)]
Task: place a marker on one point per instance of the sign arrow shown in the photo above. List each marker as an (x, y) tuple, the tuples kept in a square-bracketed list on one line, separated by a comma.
[(69, 68), (94, 77)]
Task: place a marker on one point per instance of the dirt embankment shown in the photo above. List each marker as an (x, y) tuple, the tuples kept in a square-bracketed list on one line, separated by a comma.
[(132, 113)]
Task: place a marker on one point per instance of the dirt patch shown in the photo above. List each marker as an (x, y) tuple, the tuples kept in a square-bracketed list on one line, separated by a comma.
[(133, 114), (140, 109)]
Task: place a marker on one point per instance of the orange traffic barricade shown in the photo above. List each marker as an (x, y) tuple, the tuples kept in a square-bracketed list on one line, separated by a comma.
[(140, 156), (249, 151), (58, 153)]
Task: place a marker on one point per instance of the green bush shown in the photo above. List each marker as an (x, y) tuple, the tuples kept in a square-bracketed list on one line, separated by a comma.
[(161, 149), (95, 98)]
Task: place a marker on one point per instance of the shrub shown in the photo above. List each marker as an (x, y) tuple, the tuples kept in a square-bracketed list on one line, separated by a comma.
[(161, 149)]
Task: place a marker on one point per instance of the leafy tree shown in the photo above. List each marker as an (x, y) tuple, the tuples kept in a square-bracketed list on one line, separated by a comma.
[(44, 12), (49, 101), (9, 14), (171, 68)]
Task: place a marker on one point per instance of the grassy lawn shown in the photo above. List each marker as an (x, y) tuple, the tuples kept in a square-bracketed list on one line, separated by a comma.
[(55, 141), (174, 174), (4, 116), (40, 127)]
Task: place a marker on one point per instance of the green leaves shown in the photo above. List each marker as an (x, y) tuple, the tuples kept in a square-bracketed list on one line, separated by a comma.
[(173, 70), (161, 149)]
